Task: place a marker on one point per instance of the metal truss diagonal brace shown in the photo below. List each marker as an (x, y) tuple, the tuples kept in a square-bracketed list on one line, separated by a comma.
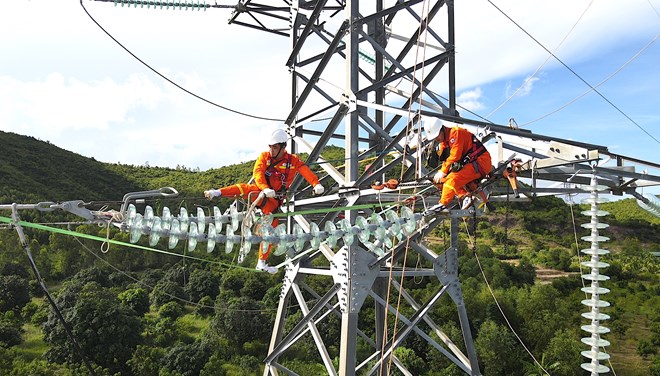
[(277, 351), (317, 72)]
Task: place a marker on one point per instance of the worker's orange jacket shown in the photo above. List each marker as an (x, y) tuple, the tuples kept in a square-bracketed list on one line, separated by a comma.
[(272, 174), (460, 143)]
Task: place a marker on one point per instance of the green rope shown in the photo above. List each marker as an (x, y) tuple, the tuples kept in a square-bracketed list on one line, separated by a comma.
[(111, 241), (330, 210)]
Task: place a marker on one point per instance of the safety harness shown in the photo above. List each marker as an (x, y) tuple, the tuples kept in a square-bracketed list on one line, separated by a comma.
[(471, 157), (272, 173)]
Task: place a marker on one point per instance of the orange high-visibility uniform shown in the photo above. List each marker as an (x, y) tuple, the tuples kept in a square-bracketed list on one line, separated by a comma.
[(460, 143), (274, 174)]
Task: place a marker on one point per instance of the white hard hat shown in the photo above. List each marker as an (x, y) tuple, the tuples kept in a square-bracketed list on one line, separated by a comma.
[(432, 128), (278, 137)]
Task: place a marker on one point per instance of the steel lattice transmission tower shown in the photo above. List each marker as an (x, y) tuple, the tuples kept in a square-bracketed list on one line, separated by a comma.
[(342, 75)]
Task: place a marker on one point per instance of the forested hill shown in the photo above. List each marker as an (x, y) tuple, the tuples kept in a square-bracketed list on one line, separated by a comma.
[(32, 170)]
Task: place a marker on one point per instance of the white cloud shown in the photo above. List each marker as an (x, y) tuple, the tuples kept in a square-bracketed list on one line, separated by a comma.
[(522, 89), (470, 100), (59, 103)]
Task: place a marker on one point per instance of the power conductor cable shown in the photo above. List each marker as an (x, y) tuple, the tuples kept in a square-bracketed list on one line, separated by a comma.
[(172, 82), (574, 73)]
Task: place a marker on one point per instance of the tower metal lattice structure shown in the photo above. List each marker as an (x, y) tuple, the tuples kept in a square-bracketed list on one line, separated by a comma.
[(346, 67), (335, 41)]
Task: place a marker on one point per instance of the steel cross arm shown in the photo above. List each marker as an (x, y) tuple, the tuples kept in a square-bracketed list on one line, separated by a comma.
[(247, 7), (621, 158), (317, 73), (277, 351), (614, 174), (76, 207), (306, 31), (521, 150), (169, 3), (261, 28), (523, 133)]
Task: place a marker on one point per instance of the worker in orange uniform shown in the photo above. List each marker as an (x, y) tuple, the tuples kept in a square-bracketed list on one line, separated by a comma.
[(468, 160), (273, 173)]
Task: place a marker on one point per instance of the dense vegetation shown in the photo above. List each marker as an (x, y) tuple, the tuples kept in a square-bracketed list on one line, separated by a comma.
[(136, 312)]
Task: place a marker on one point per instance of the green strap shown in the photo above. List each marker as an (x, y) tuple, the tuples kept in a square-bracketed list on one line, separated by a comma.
[(111, 241), (329, 210)]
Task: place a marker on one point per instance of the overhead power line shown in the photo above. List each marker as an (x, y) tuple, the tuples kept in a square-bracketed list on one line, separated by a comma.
[(575, 73), (528, 79), (172, 82)]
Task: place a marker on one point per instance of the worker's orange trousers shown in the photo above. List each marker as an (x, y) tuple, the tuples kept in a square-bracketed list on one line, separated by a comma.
[(454, 183), (251, 192)]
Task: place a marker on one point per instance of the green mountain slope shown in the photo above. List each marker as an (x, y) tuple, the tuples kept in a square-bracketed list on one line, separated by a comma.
[(32, 170)]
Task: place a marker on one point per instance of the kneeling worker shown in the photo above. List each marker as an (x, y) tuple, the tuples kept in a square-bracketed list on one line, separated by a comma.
[(468, 160)]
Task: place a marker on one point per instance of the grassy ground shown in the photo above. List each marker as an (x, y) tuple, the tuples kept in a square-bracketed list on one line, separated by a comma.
[(33, 345), (192, 325), (625, 361)]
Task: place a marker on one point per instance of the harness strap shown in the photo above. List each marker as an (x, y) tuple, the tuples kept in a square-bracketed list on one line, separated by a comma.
[(471, 156)]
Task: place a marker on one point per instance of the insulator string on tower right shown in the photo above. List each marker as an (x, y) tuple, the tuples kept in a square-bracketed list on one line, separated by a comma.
[(595, 328)]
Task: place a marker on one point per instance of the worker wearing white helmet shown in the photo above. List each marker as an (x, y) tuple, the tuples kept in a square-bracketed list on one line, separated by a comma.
[(273, 173), (468, 160)]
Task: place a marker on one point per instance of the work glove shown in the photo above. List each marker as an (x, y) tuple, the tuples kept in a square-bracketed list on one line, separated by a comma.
[(270, 193), (319, 189), (212, 193), (437, 179)]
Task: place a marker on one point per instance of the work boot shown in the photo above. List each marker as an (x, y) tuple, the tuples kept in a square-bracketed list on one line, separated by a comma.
[(436, 209), (261, 265), (466, 202)]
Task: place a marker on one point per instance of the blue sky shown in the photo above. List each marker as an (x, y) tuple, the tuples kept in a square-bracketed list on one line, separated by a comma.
[(63, 80)]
